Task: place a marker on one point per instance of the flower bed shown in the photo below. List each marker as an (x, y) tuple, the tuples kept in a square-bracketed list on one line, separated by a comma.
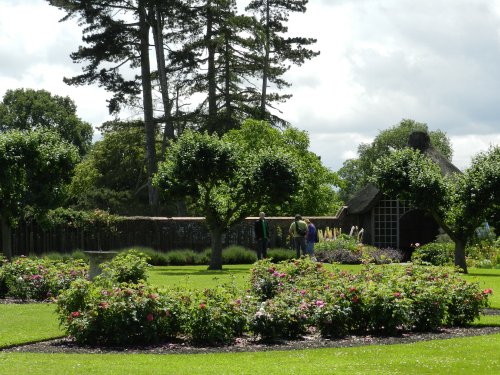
[(38, 279), (286, 300)]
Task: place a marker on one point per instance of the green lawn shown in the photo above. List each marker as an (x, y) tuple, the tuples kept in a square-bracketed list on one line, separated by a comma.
[(27, 323), (474, 355), (33, 322)]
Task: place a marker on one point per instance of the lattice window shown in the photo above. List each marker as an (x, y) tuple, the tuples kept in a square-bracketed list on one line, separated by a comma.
[(386, 222)]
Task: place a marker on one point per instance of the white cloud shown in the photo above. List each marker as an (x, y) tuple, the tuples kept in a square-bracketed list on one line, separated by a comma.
[(433, 61)]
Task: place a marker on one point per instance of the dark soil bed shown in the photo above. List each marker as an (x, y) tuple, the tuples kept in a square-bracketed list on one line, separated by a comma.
[(66, 345)]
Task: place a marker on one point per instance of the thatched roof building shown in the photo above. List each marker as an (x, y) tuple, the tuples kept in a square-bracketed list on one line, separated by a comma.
[(388, 222)]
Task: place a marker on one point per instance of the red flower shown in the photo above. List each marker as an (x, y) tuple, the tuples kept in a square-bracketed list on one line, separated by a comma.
[(488, 291), (355, 299), (150, 317), (75, 314), (203, 306), (397, 294), (352, 289)]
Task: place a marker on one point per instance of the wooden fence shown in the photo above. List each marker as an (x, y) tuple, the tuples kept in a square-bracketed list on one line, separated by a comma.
[(159, 233)]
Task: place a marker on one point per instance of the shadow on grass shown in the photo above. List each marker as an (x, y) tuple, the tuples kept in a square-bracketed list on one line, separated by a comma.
[(203, 272)]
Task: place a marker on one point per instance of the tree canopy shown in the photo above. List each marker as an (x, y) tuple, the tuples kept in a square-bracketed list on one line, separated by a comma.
[(356, 173), (28, 109), (225, 182), (34, 166), (459, 202)]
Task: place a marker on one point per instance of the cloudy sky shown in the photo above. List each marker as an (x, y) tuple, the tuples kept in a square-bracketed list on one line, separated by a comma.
[(433, 61)]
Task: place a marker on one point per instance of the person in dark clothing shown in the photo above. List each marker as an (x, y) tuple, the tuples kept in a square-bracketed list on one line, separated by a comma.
[(298, 230), (261, 230)]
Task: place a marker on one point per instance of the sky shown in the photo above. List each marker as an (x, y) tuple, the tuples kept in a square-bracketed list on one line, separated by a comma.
[(381, 61)]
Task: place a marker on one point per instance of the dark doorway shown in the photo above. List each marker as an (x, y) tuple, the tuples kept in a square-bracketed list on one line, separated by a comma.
[(416, 226)]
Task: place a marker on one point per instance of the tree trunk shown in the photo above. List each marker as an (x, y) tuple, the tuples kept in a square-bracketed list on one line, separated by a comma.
[(211, 77), (6, 238), (168, 132), (216, 256), (460, 255), (147, 99), (263, 100)]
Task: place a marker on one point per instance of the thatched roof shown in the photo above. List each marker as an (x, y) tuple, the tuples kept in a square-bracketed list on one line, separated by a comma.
[(363, 200), (421, 141), (368, 196)]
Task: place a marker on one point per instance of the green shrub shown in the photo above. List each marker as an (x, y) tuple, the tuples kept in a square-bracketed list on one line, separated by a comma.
[(215, 316), (437, 254), (278, 255), (126, 267), (124, 314), (181, 257), (286, 315), (238, 255), (38, 279)]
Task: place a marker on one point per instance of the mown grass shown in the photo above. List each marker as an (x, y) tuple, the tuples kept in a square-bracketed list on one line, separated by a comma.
[(27, 323), (34, 322), (472, 355)]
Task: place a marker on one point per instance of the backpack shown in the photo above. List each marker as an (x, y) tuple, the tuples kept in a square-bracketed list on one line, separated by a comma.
[(299, 230)]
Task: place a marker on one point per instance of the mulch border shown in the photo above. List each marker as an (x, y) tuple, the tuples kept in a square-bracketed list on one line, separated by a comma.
[(248, 344)]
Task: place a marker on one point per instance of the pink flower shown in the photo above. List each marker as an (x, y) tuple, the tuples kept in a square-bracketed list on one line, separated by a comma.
[(488, 291), (282, 274), (104, 305), (302, 292), (320, 303), (397, 294), (150, 317), (153, 296), (238, 301), (271, 270), (75, 314), (203, 306)]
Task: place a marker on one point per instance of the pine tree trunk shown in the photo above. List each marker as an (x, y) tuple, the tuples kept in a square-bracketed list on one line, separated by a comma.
[(147, 99), (211, 77), (168, 132), (216, 256), (263, 100), (6, 238)]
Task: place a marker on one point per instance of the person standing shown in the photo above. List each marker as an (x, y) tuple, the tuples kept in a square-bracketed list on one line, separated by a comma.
[(298, 230), (310, 237), (261, 230)]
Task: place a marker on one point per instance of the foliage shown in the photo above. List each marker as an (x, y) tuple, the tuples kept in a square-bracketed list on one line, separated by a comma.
[(316, 193), (435, 253), (112, 177), (126, 267), (225, 183), (356, 172), (460, 203), (285, 300), (33, 167), (123, 314), (28, 109), (38, 279), (215, 316)]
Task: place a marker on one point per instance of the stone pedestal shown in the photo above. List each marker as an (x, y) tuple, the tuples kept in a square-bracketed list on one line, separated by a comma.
[(96, 258)]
